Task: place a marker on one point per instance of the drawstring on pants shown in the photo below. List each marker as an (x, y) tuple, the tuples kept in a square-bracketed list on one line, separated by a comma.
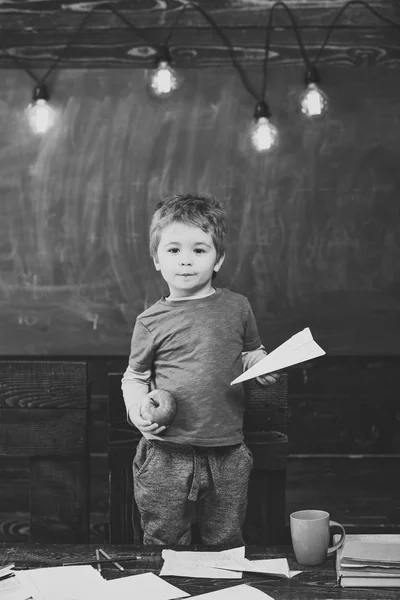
[(196, 480)]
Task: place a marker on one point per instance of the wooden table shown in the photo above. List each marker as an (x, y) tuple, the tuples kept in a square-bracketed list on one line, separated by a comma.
[(314, 583)]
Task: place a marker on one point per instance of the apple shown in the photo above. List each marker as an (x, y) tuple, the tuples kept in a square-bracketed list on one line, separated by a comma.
[(159, 407)]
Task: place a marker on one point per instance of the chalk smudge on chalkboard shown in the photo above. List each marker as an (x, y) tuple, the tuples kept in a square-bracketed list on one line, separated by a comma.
[(311, 227)]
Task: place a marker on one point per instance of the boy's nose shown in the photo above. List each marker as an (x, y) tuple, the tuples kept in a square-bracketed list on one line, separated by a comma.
[(185, 262)]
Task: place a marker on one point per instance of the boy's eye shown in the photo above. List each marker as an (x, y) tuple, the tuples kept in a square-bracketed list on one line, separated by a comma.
[(199, 250), (173, 250)]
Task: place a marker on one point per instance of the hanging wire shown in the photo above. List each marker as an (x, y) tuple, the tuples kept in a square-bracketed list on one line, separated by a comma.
[(174, 26), (82, 25), (266, 53), (229, 47), (164, 53), (338, 16), (310, 64), (300, 43), (19, 63), (41, 81)]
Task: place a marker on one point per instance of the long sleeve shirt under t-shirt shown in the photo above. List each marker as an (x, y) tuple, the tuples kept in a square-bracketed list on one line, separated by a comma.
[(194, 349)]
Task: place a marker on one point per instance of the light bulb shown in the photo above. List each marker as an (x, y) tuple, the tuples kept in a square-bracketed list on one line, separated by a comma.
[(313, 100), (264, 135), (164, 79), (40, 114)]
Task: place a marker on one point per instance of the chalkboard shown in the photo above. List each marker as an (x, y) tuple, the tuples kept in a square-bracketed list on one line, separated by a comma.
[(313, 228)]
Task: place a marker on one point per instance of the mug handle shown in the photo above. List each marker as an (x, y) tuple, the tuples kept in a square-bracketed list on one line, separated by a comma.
[(341, 541)]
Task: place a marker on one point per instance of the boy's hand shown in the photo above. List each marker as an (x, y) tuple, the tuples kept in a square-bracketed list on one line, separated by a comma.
[(268, 379), (145, 426)]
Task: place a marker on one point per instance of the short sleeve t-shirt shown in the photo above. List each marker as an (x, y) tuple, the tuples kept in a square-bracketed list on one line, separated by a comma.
[(193, 349)]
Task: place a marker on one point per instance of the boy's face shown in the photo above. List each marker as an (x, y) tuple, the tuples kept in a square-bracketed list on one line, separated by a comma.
[(186, 257)]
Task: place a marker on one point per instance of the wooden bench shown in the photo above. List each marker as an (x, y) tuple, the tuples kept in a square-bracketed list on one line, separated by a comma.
[(265, 428), (44, 460)]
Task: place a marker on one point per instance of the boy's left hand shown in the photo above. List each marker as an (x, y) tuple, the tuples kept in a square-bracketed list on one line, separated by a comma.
[(268, 379)]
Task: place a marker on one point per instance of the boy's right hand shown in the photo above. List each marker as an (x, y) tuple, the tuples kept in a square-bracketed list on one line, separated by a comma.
[(144, 425)]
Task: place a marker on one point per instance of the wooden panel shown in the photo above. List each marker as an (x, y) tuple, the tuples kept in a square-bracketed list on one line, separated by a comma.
[(98, 434), (265, 424), (99, 502), (265, 521), (354, 426), (344, 438), (360, 493), (59, 501), (39, 37), (14, 526), (346, 377), (194, 48), (266, 409), (99, 367), (36, 384), (52, 14), (43, 451), (124, 515), (15, 502), (99, 498), (15, 483), (338, 405), (362, 389), (28, 432)]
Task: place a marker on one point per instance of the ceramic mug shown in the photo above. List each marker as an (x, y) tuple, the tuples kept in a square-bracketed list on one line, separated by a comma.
[(310, 531)]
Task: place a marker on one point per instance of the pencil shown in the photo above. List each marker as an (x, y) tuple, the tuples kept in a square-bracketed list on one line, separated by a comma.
[(98, 559), (109, 558), (102, 561)]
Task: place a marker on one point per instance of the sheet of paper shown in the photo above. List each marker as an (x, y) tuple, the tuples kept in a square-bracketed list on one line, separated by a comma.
[(294, 573), (297, 349), (179, 569), (204, 558), (238, 592), (274, 566), (198, 564), (145, 585), (13, 589), (79, 582)]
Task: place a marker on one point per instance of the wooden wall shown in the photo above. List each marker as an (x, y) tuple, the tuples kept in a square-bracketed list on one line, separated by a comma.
[(314, 235), (344, 445), (38, 32)]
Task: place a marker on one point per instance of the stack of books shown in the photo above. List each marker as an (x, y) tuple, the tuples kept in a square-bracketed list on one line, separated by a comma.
[(369, 560)]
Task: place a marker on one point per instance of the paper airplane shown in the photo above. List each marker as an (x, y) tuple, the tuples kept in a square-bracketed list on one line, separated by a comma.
[(297, 349)]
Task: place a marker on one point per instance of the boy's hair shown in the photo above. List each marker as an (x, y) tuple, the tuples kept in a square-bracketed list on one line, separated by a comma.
[(198, 210)]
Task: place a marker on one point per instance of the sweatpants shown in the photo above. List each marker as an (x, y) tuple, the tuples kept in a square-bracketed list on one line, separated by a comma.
[(168, 477)]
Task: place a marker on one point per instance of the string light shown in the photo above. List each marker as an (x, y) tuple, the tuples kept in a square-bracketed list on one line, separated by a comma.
[(313, 100), (264, 135), (164, 80), (41, 115)]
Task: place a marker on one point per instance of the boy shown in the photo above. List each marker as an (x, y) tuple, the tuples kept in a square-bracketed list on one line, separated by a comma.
[(192, 343)]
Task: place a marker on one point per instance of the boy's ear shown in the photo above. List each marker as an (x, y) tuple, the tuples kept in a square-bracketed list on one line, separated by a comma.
[(219, 262), (156, 263)]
